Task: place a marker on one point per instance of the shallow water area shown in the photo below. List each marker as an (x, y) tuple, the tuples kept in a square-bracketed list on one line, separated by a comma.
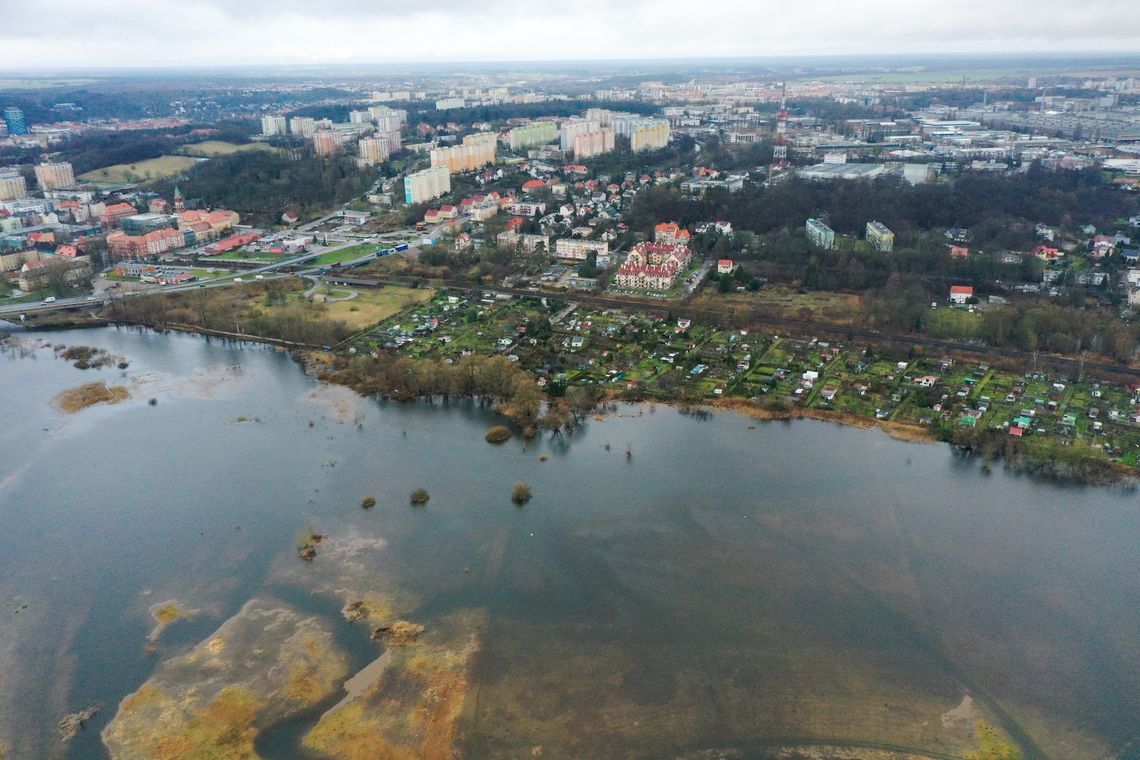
[(735, 585)]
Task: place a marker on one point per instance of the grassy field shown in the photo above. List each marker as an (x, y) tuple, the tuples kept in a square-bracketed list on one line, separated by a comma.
[(372, 306), (840, 308), (954, 323), (243, 255), (212, 148), (154, 168), (352, 252)]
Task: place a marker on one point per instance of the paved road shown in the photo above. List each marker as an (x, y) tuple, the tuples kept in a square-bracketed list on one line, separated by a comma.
[(268, 271)]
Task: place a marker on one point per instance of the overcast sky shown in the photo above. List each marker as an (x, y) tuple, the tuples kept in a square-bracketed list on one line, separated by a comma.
[(218, 32)]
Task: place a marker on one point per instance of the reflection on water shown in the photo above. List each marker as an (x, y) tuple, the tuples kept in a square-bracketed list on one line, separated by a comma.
[(731, 585)]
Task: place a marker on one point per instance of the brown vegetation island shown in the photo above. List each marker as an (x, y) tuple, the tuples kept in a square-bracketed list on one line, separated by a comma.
[(89, 394)]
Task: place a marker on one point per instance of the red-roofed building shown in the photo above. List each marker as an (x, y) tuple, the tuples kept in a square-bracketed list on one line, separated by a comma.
[(653, 266), (1047, 253), (67, 250), (231, 243), (724, 266), (219, 220), (671, 233), (959, 252), (533, 186), (116, 213), (961, 294), (124, 246)]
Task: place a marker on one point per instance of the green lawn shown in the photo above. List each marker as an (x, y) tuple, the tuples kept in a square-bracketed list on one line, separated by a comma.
[(140, 171), (352, 252), (954, 323), (211, 148)]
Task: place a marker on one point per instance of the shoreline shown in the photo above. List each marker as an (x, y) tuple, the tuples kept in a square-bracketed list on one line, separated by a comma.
[(897, 430), (314, 361)]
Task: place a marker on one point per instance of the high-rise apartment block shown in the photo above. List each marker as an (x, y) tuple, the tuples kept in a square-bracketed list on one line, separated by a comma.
[(426, 185), (12, 185), (589, 144), (535, 133), (388, 119), (359, 117), (328, 142), (54, 176), (571, 128), (374, 150), (14, 118), (272, 125), (302, 126), (477, 151), (447, 104), (649, 134)]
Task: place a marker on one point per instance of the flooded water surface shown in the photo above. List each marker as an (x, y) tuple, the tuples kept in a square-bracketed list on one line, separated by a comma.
[(727, 584)]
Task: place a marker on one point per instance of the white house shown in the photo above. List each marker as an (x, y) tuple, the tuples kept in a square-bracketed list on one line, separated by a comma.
[(961, 294)]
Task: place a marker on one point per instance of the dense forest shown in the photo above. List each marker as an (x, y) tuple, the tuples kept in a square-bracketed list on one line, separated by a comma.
[(264, 184), (1037, 195), (1000, 212), (129, 98), (505, 111)]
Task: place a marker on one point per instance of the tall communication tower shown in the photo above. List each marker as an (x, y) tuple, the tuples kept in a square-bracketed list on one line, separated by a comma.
[(780, 152)]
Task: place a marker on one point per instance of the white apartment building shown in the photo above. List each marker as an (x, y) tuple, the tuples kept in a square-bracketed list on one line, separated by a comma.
[(573, 249), (423, 186), (302, 126), (272, 125), (571, 128)]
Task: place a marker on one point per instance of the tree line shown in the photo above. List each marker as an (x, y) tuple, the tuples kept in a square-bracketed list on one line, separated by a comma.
[(261, 310), (1033, 196), (493, 380)]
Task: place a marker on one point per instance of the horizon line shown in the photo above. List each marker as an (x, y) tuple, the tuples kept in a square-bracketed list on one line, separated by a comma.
[(1090, 55)]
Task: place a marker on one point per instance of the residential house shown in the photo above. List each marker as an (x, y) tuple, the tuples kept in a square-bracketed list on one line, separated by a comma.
[(653, 266), (961, 294)]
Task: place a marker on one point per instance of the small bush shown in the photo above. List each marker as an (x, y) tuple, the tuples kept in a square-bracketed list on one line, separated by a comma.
[(369, 502), (520, 494), (498, 434), (420, 496)]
